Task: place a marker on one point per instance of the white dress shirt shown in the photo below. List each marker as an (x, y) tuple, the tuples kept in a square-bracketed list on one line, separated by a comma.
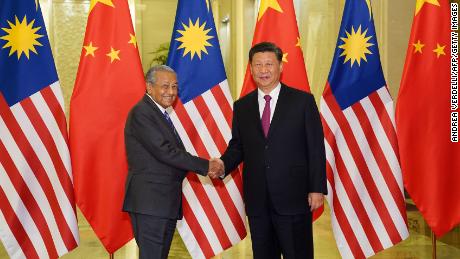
[(274, 95)]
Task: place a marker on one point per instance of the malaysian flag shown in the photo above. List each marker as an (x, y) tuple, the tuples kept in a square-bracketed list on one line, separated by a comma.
[(214, 217), (37, 209), (364, 177)]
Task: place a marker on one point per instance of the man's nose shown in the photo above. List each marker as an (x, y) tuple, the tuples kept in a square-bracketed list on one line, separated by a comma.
[(170, 90)]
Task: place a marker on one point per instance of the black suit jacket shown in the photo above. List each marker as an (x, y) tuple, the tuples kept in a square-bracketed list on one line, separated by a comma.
[(157, 163), (289, 163)]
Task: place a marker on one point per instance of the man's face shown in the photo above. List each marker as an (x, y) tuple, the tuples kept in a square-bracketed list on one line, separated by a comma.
[(266, 70), (164, 91)]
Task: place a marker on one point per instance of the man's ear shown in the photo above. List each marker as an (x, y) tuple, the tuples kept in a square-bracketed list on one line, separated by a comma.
[(148, 88)]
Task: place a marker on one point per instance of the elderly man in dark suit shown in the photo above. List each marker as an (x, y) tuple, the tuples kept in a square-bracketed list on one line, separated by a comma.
[(277, 134), (157, 163)]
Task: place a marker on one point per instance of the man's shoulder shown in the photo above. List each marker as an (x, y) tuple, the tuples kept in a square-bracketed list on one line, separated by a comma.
[(294, 92), (143, 105), (247, 98)]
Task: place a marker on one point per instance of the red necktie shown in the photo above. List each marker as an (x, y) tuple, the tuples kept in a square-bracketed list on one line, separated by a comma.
[(266, 115)]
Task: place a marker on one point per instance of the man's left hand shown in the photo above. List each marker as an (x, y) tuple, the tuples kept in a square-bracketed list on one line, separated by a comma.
[(315, 200)]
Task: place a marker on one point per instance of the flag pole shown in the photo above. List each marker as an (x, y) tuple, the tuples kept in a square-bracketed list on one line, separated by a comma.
[(111, 256), (433, 244)]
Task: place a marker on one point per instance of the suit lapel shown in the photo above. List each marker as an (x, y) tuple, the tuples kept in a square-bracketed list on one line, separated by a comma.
[(160, 118), (254, 113), (280, 110)]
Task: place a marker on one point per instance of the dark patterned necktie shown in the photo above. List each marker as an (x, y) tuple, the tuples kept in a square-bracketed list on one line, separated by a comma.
[(168, 119)]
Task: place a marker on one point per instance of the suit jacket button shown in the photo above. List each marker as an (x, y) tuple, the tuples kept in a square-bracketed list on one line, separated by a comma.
[(266, 146), (268, 167)]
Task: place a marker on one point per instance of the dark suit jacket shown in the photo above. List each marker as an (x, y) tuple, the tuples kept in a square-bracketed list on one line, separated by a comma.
[(289, 163), (157, 163)]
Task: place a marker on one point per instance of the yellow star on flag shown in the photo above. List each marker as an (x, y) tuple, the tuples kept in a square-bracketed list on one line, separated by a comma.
[(285, 57), (194, 39), (21, 37), (298, 43), (265, 4), (439, 50), (133, 40), (113, 54), (90, 49), (420, 4), (418, 46), (94, 2)]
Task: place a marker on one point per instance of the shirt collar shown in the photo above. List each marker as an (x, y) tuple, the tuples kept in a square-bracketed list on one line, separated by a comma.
[(272, 94), (169, 109)]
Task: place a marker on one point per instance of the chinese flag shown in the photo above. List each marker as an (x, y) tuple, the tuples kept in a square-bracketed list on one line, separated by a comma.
[(109, 82), (276, 22), (429, 160)]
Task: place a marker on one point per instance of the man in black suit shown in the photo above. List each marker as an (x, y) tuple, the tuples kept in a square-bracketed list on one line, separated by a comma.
[(278, 136), (157, 163)]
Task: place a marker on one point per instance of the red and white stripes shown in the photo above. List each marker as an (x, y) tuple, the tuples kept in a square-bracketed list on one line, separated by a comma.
[(364, 177), (214, 217), (37, 216)]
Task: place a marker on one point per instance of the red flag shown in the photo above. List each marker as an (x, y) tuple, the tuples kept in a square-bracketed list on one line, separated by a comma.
[(429, 160), (276, 22), (109, 82)]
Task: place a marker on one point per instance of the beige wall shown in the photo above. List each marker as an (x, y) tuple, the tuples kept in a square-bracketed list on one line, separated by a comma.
[(154, 24), (319, 23), (398, 26)]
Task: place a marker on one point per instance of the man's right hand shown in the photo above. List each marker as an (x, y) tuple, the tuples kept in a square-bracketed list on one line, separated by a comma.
[(216, 168)]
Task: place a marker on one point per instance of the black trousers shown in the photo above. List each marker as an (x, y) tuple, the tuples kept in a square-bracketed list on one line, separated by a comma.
[(273, 234), (153, 235)]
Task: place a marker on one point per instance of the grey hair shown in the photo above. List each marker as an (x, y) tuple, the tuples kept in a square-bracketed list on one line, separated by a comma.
[(150, 76)]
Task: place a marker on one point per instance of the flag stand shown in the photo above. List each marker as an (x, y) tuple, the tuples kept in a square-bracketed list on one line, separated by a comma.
[(433, 244)]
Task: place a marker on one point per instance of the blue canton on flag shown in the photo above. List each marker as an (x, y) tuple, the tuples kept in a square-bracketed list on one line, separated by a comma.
[(214, 217), (26, 61), (195, 51), (37, 209), (356, 69), (365, 189)]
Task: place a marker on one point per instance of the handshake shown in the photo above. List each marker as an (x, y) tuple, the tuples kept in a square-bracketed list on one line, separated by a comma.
[(216, 168)]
